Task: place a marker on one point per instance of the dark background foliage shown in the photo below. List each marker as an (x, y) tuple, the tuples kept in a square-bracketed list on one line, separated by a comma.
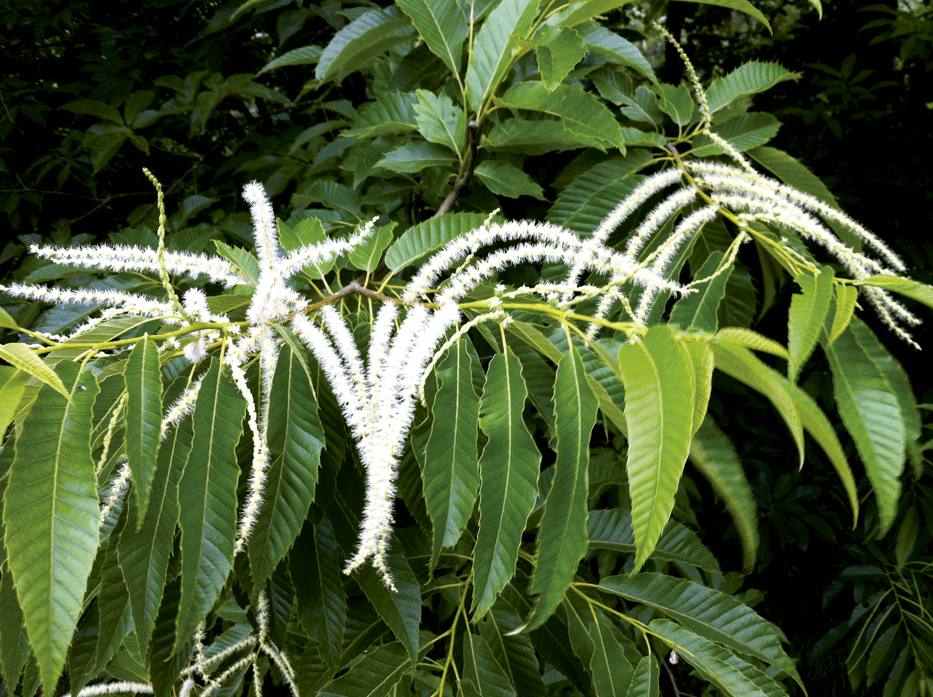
[(180, 93)]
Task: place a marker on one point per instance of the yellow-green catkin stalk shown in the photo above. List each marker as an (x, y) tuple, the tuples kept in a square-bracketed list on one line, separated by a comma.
[(160, 253)]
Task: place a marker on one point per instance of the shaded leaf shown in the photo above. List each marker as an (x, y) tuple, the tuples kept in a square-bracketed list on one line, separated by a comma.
[(143, 418)]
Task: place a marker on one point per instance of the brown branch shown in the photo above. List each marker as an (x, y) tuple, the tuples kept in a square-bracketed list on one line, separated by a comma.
[(352, 288)]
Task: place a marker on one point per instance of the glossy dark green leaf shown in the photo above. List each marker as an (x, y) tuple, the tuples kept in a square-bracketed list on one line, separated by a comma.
[(143, 379)]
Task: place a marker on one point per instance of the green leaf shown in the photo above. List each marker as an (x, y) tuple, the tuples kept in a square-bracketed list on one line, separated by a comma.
[(356, 45), (579, 111), (439, 120), (507, 180), (494, 46), (7, 322), (698, 310), (612, 529), (537, 137), (390, 113), (12, 386), (451, 468), (808, 311), (750, 339), (646, 680), (367, 255), (617, 49), (304, 55), (414, 157), (659, 399), (914, 290), (731, 674), (481, 669), (420, 240), (443, 27), (50, 514), (295, 438), (508, 479), (93, 107), (514, 652), (744, 131), (306, 231), (677, 102), (846, 298), (791, 171), (749, 78), (375, 674), (582, 10), (594, 642), (712, 453), (871, 413), (558, 52), (144, 549), (741, 364), (244, 261), (143, 379), (562, 539), (743, 6), (207, 500), (22, 357), (714, 615), (321, 598), (14, 647)]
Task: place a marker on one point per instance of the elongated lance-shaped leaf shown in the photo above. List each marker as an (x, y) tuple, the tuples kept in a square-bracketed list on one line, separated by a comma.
[(51, 514), (808, 311), (492, 56), (593, 641), (744, 366), (735, 676), (701, 355), (22, 357), (514, 652), (143, 380), (355, 45), (443, 27), (712, 453), (12, 386), (646, 680), (699, 310), (482, 670), (451, 468), (296, 438), (562, 539), (871, 413), (659, 396), (144, 550), (207, 499), (375, 674), (749, 78), (708, 612), (509, 469), (14, 647)]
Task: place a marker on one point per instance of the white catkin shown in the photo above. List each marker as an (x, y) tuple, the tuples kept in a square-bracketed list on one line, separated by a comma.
[(180, 408), (208, 664), (118, 486), (324, 252), (115, 688), (128, 302), (217, 683)]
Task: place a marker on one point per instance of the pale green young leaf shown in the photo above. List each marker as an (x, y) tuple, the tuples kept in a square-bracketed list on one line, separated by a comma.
[(698, 310), (207, 499), (583, 10), (750, 339), (710, 613), (357, 44), (562, 537), (493, 48), (743, 6), (846, 298), (245, 261), (611, 529), (701, 355), (713, 454), (451, 468), (7, 322), (440, 121), (143, 418), (921, 292), (646, 680), (22, 357), (50, 516), (579, 111), (367, 255), (808, 311), (740, 363), (12, 386), (443, 27), (374, 674), (295, 438), (558, 52), (748, 79), (304, 232), (423, 238), (733, 675), (414, 157), (659, 400), (507, 180), (509, 475), (871, 413), (143, 550)]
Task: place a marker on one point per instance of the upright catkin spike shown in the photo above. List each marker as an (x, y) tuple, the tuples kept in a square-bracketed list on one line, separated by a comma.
[(163, 271)]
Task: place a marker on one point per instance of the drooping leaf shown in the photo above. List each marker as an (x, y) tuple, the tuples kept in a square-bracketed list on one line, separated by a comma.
[(12, 386), (14, 647), (492, 54), (50, 515), (375, 674), (508, 485), (143, 418), (207, 499), (749, 78), (646, 680), (355, 46), (579, 111), (713, 454), (743, 6), (514, 652), (295, 439), (871, 413), (562, 539), (481, 669), (22, 357), (808, 311), (659, 400), (423, 238), (443, 27), (593, 641), (451, 468), (507, 180), (914, 290), (698, 310), (846, 298)]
